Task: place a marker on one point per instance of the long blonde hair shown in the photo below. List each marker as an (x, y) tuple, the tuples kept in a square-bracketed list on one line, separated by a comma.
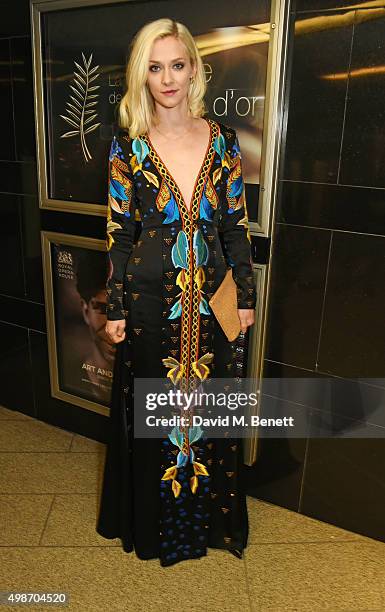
[(137, 109)]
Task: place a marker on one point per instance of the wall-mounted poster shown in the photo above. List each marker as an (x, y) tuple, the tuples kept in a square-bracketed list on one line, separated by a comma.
[(80, 353), (80, 53)]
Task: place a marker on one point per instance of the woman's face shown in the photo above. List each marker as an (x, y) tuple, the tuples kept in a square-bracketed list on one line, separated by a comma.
[(169, 70)]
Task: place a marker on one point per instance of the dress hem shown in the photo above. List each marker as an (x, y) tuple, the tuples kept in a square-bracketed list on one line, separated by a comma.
[(236, 552)]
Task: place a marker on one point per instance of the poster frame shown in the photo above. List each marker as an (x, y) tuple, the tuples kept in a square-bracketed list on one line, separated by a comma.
[(48, 238), (270, 137)]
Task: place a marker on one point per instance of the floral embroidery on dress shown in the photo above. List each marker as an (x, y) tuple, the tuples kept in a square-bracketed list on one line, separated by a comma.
[(141, 151), (166, 203), (209, 200), (180, 259), (235, 186), (120, 190), (183, 441), (220, 147), (235, 192)]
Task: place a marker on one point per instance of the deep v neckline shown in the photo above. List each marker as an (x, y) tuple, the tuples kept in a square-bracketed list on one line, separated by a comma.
[(208, 148)]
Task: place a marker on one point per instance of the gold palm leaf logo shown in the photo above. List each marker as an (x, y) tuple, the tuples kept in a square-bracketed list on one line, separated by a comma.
[(81, 109)]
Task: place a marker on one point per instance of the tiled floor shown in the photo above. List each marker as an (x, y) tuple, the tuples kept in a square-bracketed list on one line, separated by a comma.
[(49, 487)]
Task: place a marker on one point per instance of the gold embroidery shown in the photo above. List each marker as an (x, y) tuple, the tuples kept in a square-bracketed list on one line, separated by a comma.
[(211, 194), (191, 319), (163, 196)]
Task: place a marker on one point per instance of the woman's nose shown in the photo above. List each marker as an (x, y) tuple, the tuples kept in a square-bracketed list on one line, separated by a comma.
[(167, 78)]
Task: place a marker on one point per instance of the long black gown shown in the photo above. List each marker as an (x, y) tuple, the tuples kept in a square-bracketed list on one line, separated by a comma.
[(162, 498)]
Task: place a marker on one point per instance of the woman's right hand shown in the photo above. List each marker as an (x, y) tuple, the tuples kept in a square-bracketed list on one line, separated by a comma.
[(115, 330)]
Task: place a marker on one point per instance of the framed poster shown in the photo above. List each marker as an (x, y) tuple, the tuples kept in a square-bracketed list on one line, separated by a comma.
[(80, 49), (81, 357)]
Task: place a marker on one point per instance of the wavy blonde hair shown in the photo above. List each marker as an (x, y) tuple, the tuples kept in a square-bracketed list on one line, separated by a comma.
[(136, 109)]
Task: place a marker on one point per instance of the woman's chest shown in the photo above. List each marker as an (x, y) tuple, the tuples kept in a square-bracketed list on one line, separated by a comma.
[(184, 165), (184, 192), (188, 185)]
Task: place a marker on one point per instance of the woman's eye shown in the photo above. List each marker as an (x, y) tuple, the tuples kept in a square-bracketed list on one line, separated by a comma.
[(178, 64)]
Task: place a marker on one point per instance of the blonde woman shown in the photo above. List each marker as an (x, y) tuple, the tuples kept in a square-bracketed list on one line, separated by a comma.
[(180, 174)]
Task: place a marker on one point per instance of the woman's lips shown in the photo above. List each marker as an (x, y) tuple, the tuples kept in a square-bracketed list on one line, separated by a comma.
[(169, 93)]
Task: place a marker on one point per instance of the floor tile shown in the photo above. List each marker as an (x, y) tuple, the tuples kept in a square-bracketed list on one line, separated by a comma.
[(72, 522), (336, 577), (86, 445), (109, 579), (31, 435), (50, 472), (23, 518), (273, 524)]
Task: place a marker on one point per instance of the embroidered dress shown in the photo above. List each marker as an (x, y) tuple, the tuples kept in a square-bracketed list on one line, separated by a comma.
[(172, 498)]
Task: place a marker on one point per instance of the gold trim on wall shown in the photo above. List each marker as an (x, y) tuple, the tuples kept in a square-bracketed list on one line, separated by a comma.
[(255, 357), (272, 128), (272, 117)]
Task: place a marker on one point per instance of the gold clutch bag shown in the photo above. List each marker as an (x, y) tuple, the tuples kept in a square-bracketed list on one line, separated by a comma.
[(225, 306)]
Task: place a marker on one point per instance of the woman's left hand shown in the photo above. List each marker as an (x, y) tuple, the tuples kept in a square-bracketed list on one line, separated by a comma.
[(246, 317)]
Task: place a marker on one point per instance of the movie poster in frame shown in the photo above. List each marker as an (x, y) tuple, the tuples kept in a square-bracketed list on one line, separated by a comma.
[(80, 49), (81, 357)]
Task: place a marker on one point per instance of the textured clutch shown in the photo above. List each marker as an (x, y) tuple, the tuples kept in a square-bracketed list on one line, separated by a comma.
[(225, 306)]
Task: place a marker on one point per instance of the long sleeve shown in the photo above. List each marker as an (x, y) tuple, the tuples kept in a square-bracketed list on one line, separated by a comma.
[(234, 226), (121, 226)]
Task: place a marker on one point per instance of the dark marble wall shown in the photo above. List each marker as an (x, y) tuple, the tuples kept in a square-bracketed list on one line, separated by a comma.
[(24, 373), (326, 311), (327, 294)]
